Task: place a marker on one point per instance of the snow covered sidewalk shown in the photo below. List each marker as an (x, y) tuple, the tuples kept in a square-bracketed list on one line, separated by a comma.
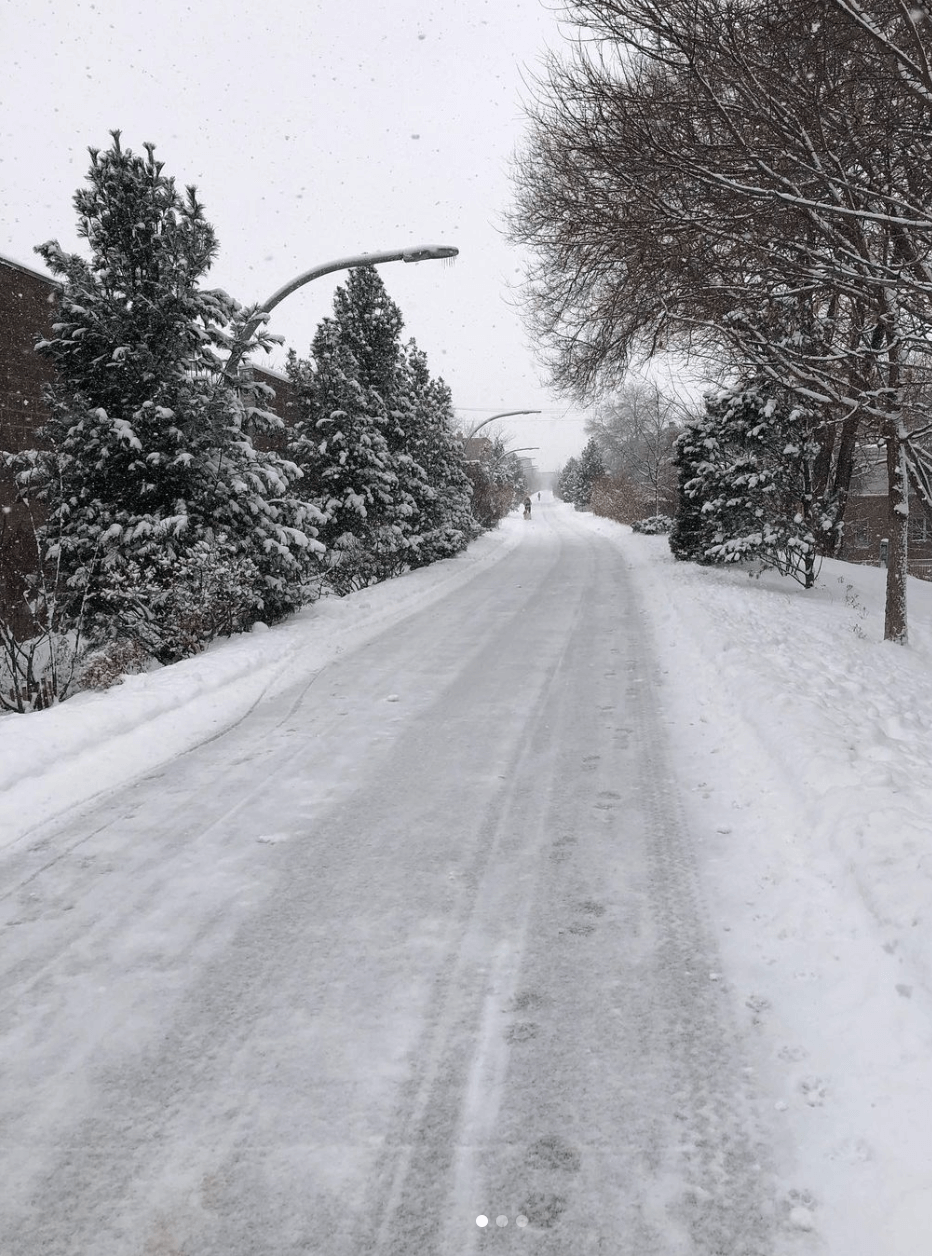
[(805, 746)]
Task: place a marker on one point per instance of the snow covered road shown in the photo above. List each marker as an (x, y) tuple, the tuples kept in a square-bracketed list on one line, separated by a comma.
[(418, 940)]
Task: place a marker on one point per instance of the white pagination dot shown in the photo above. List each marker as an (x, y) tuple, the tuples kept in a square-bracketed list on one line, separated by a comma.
[(501, 1220), (481, 1221), (521, 1219)]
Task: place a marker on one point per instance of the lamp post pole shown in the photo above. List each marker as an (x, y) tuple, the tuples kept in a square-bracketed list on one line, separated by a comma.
[(418, 253)]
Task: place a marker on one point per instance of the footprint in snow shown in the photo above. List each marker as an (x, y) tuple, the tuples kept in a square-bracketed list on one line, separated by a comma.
[(758, 1005), (273, 839), (792, 1055), (528, 1000), (812, 1090), (852, 1151), (521, 1031), (553, 1152)]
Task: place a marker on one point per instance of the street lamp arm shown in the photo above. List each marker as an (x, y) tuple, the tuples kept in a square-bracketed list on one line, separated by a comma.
[(507, 414), (417, 253), (422, 253)]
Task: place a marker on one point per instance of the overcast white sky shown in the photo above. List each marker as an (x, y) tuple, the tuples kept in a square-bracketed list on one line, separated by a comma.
[(314, 130)]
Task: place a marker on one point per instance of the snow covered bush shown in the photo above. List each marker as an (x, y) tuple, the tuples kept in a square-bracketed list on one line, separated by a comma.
[(497, 482), (746, 476), (173, 607), (655, 525), (106, 666)]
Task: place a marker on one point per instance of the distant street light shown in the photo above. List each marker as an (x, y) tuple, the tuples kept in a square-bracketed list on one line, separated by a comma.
[(419, 253), (506, 414)]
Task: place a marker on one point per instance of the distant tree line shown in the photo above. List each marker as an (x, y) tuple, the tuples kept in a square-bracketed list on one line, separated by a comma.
[(749, 184), (170, 504)]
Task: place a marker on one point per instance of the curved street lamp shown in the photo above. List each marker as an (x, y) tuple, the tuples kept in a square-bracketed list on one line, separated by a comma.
[(506, 414), (418, 253)]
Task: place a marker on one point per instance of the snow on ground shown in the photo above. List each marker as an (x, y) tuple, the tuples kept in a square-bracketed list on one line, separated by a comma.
[(804, 746)]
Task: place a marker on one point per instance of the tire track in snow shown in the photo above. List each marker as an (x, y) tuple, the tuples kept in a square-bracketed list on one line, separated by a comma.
[(450, 1103)]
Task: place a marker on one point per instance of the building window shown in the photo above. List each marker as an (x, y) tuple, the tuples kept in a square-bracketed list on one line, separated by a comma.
[(919, 529), (858, 533)]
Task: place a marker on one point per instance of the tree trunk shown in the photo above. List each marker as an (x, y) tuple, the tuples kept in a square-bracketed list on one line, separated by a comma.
[(895, 623)]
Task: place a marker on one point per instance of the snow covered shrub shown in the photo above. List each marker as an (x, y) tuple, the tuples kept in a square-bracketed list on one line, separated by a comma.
[(655, 525), (617, 497), (172, 607), (36, 672), (352, 564), (497, 483), (104, 668), (40, 651), (746, 475)]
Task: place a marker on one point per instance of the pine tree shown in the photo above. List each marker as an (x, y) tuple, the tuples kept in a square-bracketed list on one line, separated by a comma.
[(691, 533), (591, 468), (374, 440), (445, 521), (146, 453), (338, 440), (567, 484), (370, 325)]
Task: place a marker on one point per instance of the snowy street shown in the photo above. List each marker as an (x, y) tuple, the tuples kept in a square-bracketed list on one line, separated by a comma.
[(416, 941), (559, 886)]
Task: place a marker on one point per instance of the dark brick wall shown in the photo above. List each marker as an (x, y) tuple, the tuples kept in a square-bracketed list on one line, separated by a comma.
[(867, 523), (27, 310)]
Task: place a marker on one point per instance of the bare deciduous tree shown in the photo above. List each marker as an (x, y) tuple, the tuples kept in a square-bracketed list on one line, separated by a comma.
[(635, 429), (750, 182)]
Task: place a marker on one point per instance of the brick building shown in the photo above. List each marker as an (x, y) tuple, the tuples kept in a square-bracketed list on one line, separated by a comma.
[(27, 311), (867, 520)]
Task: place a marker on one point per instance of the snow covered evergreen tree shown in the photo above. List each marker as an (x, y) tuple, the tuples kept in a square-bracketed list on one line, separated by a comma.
[(746, 477), (146, 455), (591, 468), (567, 484), (338, 440), (445, 521), (690, 535), (375, 442)]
